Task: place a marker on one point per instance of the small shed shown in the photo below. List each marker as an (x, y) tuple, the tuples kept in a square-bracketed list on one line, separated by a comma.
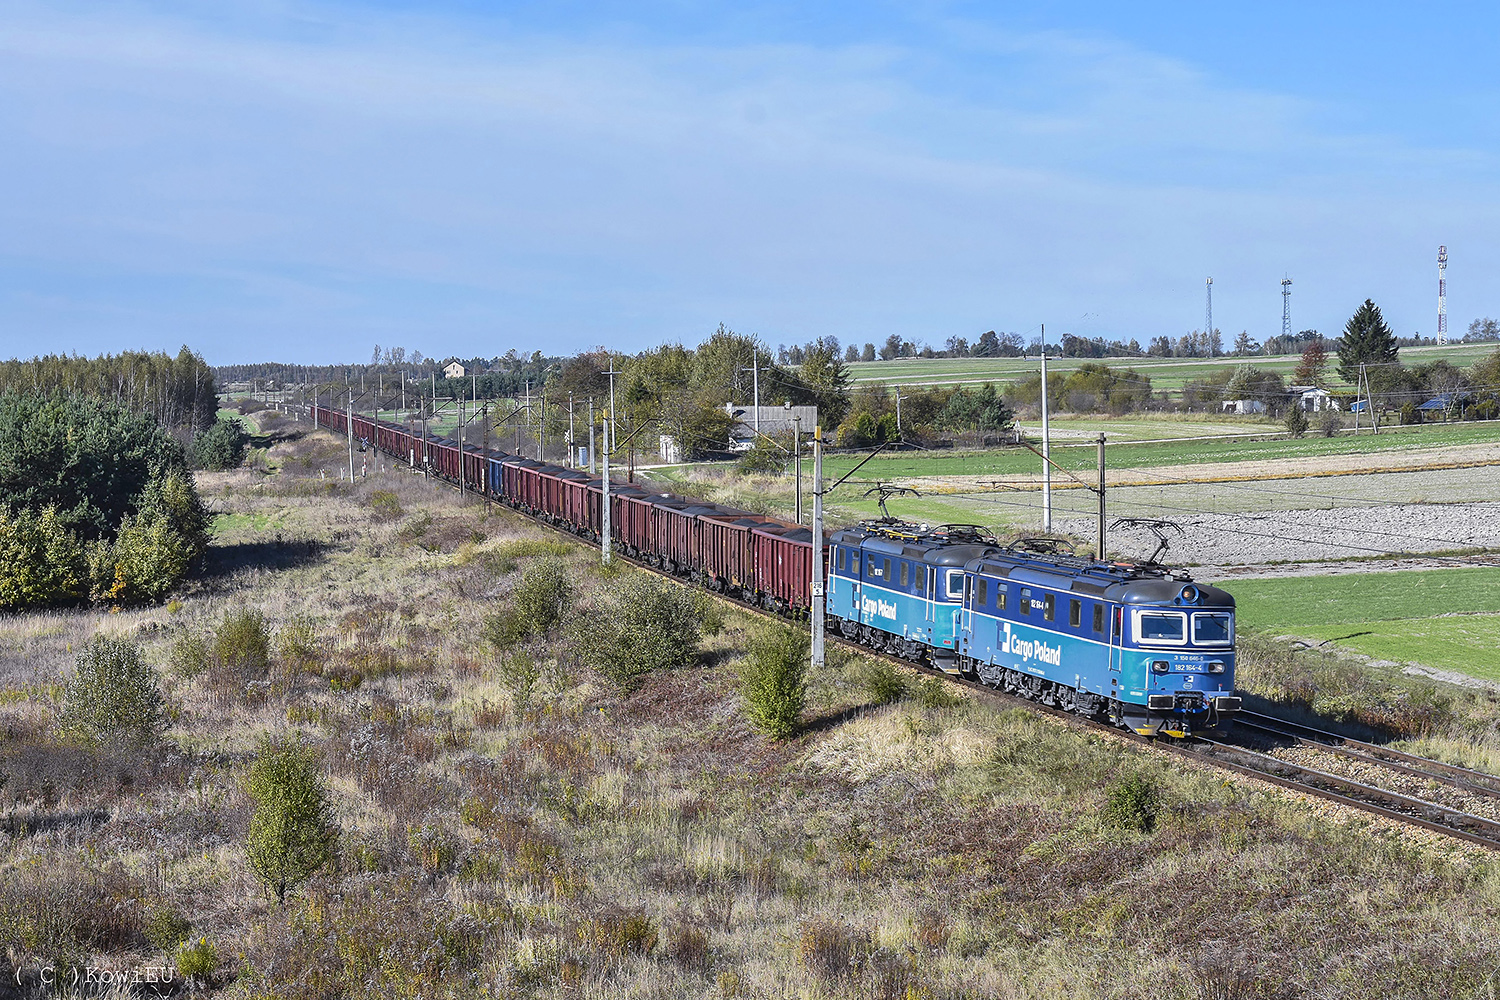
[(1313, 398)]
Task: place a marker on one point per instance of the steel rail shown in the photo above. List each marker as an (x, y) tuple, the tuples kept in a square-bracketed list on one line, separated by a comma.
[(1479, 782), (1268, 773)]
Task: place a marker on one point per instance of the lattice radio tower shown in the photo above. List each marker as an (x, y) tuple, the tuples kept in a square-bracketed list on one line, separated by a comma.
[(1286, 312), (1442, 295), (1208, 310)]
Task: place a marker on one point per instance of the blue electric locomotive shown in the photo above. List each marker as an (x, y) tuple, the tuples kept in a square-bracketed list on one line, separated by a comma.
[(1142, 645)]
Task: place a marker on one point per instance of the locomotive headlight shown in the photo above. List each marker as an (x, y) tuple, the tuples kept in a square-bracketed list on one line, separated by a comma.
[(1160, 666), (1216, 667)]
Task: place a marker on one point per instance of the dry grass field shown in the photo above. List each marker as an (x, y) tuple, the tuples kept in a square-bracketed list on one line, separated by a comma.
[(573, 839)]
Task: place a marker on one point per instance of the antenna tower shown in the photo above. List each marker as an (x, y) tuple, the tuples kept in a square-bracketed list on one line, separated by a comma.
[(1442, 337), (1208, 309), (1286, 311)]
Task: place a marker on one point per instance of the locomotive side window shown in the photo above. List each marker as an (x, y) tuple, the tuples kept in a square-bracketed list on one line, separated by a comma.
[(1000, 598), (1049, 606), (955, 583), (1161, 626), (905, 573), (982, 588), (1212, 629), (1119, 622), (1024, 607), (921, 572), (886, 570), (1075, 613), (1098, 618), (841, 560)]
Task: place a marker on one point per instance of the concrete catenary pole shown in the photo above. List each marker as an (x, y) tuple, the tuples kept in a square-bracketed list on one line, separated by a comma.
[(1046, 445), (1100, 549), (817, 550), (350, 418), (604, 534)]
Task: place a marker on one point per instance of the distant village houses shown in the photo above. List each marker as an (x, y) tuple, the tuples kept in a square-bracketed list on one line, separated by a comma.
[(455, 370), (775, 421)]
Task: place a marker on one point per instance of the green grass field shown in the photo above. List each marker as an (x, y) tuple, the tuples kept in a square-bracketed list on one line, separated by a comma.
[(1166, 373), (1015, 461), (1447, 618)]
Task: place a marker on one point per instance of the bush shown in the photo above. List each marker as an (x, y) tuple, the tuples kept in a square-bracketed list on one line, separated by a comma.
[(883, 684), (42, 563), (242, 644), (292, 832), (386, 504), (765, 458), (112, 699), (1330, 423), (166, 928), (189, 654), (221, 445), (934, 692), (197, 960), (1296, 421), (540, 602), (648, 625), (1132, 804), (773, 681)]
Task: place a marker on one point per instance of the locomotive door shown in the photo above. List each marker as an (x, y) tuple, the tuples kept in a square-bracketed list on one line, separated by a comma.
[(929, 605)]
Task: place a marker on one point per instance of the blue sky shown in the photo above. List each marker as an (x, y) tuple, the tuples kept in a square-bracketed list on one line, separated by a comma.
[(298, 181)]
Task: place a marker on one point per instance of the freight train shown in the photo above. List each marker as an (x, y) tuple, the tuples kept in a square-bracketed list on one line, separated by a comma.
[(1141, 645)]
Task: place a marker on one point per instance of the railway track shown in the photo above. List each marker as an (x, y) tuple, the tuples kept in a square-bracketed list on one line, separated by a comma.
[(1412, 810)]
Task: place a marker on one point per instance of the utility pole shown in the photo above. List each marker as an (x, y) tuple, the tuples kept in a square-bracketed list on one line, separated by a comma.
[(797, 460), (593, 458), (462, 423), (1442, 322), (1101, 499), (817, 550), (610, 444), (1046, 445), (571, 445), (755, 404), (528, 416), (350, 418), (898, 412), (604, 535)]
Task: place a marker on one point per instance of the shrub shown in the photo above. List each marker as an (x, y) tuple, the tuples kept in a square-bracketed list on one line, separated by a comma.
[(883, 684), (242, 644), (773, 681), (647, 625), (1330, 423), (42, 563), (1132, 804), (617, 935), (149, 558), (197, 960), (292, 832), (112, 699), (188, 655), (765, 458), (221, 445), (386, 504), (1296, 421), (166, 928), (538, 604), (832, 951)]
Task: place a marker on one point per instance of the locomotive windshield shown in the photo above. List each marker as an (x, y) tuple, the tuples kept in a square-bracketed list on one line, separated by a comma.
[(1212, 629), (1162, 626)]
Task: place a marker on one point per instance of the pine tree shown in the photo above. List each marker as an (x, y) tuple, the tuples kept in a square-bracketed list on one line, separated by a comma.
[(292, 831), (1367, 340)]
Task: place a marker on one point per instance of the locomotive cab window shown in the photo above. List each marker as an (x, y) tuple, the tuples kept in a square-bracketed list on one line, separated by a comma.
[(1213, 629), (905, 573), (841, 560), (921, 572), (1075, 613), (956, 583), (1024, 605), (1049, 606), (1166, 627), (982, 591), (1098, 618)]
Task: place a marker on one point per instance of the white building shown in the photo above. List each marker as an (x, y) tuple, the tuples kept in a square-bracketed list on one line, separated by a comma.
[(1312, 398), (455, 370), (775, 421)]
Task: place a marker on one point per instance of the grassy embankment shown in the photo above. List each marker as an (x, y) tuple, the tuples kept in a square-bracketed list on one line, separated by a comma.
[(579, 840), (1443, 618)]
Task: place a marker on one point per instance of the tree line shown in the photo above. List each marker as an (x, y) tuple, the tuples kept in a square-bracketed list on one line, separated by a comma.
[(178, 393)]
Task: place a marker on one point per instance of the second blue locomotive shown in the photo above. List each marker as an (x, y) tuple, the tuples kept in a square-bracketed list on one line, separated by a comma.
[(1142, 645)]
